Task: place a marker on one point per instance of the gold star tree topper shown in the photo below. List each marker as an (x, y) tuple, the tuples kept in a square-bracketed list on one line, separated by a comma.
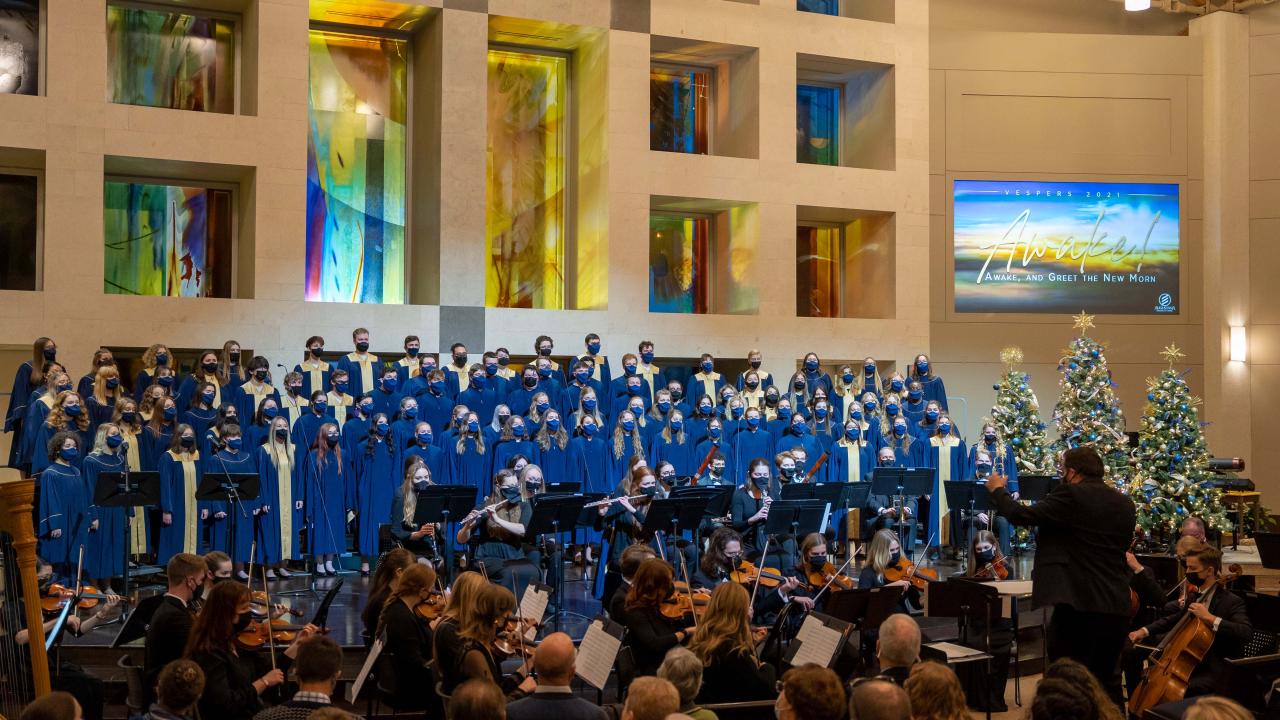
[(1011, 356), (1172, 354), (1082, 322)]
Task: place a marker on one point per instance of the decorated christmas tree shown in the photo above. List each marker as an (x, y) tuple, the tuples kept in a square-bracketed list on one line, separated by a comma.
[(1170, 467), (1088, 412), (1016, 416)]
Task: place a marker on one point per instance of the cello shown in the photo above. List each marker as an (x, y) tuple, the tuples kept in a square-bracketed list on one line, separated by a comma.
[(1178, 654)]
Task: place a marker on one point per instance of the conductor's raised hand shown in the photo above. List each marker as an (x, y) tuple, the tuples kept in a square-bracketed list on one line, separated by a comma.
[(996, 482)]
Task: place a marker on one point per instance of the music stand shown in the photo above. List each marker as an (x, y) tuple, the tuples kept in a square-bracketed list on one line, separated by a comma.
[(1035, 487), (442, 504), (321, 618), (127, 490), (792, 516), (135, 626), (967, 497), (232, 488), (714, 500), (555, 514), (902, 483), (833, 493), (866, 608), (562, 488)]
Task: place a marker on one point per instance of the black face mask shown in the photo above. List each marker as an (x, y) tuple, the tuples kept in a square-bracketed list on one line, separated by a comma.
[(894, 558), (733, 560), (242, 623), (985, 556), (332, 440), (362, 346), (1196, 579), (817, 561), (211, 368), (282, 434)]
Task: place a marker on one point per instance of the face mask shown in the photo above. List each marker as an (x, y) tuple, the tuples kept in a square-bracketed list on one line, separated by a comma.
[(366, 409), (113, 383), (242, 623), (733, 560), (589, 430), (650, 491), (852, 433), (985, 556), (634, 390), (713, 432), (530, 382), (282, 434), (260, 375), (390, 384), (503, 360), (411, 351), (316, 351), (545, 351), (869, 369), (331, 440), (753, 384), (817, 561), (922, 367), (544, 372), (667, 478), (170, 413), (899, 430), (784, 412), (811, 365), (362, 346), (211, 367), (319, 406), (533, 486), (511, 494), (990, 438), (798, 385), (582, 377), (410, 412), (891, 409), (341, 387), (705, 409), (753, 422), (707, 366), (676, 394), (870, 407), (676, 425), (589, 405), (295, 389), (162, 359), (593, 348), (233, 444), (914, 395), (491, 369), (894, 558), (517, 430), (51, 353), (787, 472), (64, 388), (69, 454), (424, 438), (628, 425), (460, 359), (72, 410), (542, 407), (270, 411), (799, 428), (115, 441), (944, 428), (847, 378), (553, 426), (473, 426), (820, 412), (129, 416), (187, 441), (382, 429), (663, 406), (717, 469), (234, 356), (437, 387), (984, 468), (165, 381), (647, 357), (207, 398), (736, 412), (932, 415), (427, 368), (1196, 579)]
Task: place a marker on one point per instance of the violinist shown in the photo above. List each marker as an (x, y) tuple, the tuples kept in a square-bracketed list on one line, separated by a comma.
[(725, 643), (447, 643), (650, 633), (749, 512), (819, 571), (499, 528), (884, 552), (883, 512), (1225, 614), (632, 558), (476, 656), (408, 636), (420, 540), (984, 563), (724, 559), (390, 566)]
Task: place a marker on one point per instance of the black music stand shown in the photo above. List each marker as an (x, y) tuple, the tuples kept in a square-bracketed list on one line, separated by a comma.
[(966, 600), (1035, 487), (321, 619), (231, 488), (833, 493), (127, 490), (967, 497), (443, 504), (865, 608), (902, 483), (135, 626), (562, 488), (790, 517), (553, 515)]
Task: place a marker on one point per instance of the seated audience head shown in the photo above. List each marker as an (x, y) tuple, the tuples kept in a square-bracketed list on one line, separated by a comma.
[(683, 670), (477, 699), (54, 706), (1086, 684), (331, 713), (899, 642), (878, 700), (1214, 707), (554, 660), (649, 698), (1058, 699), (935, 693), (810, 692), (318, 664), (179, 687)]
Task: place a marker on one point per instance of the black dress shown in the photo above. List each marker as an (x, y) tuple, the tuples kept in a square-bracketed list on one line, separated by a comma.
[(733, 675), (650, 634), (228, 686), (409, 642)]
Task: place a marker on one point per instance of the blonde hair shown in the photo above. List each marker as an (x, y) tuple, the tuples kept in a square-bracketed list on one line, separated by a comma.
[(463, 432), (272, 447), (406, 488), (725, 621), (100, 437), (149, 356), (491, 604), (57, 419), (100, 391), (462, 601), (878, 553), (619, 436), (935, 693)]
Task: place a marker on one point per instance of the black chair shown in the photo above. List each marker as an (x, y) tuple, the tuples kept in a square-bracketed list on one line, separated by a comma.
[(625, 667), (1259, 665), (386, 541), (753, 710)]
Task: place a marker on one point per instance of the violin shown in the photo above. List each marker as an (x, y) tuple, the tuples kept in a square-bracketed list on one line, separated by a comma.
[(993, 570), (904, 569), (259, 597), (430, 608), (819, 579), (684, 602), (747, 574), (59, 594), (258, 634), (510, 641)]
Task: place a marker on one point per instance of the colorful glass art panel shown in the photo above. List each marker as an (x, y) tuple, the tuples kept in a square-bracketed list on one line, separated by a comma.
[(171, 60), (166, 240), (823, 7), (356, 166), (679, 102), (679, 263), (526, 179), (19, 228), (19, 47), (818, 124), (818, 271)]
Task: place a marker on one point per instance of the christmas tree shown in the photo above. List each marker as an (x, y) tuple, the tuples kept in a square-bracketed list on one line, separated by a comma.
[(1088, 412), (1170, 466), (1016, 416)]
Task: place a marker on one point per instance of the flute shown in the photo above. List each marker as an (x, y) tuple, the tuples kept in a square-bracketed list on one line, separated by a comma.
[(610, 501)]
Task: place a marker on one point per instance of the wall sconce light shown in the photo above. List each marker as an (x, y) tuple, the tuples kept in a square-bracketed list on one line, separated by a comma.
[(1137, 5), (1239, 344)]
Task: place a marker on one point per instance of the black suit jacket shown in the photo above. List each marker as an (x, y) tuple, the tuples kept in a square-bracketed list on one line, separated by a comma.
[(166, 639), (1085, 529), (1233, 632), (562, 706)]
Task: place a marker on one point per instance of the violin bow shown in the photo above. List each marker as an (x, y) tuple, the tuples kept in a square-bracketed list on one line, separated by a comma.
[(684, 568), (271, 637), (75, 596), (519, 621), (248, 581), (839, 570)]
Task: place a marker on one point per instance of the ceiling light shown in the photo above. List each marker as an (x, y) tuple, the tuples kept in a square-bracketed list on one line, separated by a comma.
[(1137, 5)]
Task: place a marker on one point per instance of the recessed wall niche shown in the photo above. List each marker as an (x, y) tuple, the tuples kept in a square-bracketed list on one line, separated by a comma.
[(848, 104), (181, 59), (704, 97), (875, 10), (702, 256), (845, 263), (20, 47)]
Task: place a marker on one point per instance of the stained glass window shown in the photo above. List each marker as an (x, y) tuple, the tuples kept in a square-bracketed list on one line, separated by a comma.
[(818, 266), (818, 124), (824, 7), (19, 47), (18, 232), (679, 105), (526, 179), (679, 263), (356, 167), (167, 240), (170, 60)]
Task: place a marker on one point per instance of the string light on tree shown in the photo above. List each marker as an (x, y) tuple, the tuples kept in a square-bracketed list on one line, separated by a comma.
[(1016, 415), (1088, 412)]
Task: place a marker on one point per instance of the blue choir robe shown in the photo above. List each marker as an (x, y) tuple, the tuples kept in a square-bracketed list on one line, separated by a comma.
[(518, 398), (934, 389), (870, 383), (354, 433), (844, 403), (701, 383), (16, 414), (679, 451), (749, 445), (402, 432), (339, 407), (307, 429), (500, 386), (143, 380), (923, 429), (436, 410), (240, 515), (591, 464), (731, 469), (849, 462), (251, 394), (911, 453), (187, 390), (469, 467), (255, 434), (617, 387), (552, 387), (620, 462), (435, 460), (154, 444), (1006, 465), (416, 386), (766, 379), (387, 403), (407, 368), (179, 479), (491, 433), (695, 427), (98, 412), (778, 427), (501, 452), (455, 378), (63, 507), (807, 441), (554, 462), (948, 457), (600, 372), (819, 379), (38, 406), (378, 474), (825, 432), (914, 411), (44, 434), (648, 428), (621, 403), (200, 420), (446, 439), (315, 375), (481, 401), (282, 490), (362, 372), (104, 554), (567, 401), (326, 497), (295, 405)]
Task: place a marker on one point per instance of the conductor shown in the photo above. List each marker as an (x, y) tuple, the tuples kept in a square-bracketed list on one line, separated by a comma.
[(1086, 526)]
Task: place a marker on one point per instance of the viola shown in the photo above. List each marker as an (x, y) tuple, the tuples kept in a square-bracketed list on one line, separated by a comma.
[(747, 574), (996, 569), (258, 634), (684, 602), (59, 594), (904, 569), (818, 579)]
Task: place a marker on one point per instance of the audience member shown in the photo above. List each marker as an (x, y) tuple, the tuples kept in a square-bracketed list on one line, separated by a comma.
[(477, 699), (553, 661), (878, 700), (54, 706), (1084, 681), (810, 692), (1058, 699), (935, 693), (1215, 707), (683, 669), (648, 698), (177, 692), (898, 647), (318, 665), (331, 713)]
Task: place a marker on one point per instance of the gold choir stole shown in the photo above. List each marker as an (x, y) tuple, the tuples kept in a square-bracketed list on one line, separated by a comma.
[(295, 406), (22, 672), (339, 402), (365, 364), (137, 523), (315, 373), (412, 366), (945, 475)]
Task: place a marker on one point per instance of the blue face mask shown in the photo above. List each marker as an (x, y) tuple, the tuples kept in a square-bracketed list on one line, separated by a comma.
[(170, 413), (628, 425), (410, 412), (869, 369), (473, 426), (162, 359), (784, 412), (64, 388), (593, 348), (553, 426), (341, 387), (856, 414), (491, 369), (811, 365), (629, 369), (913, 395), (922, 367), (869, 407), (589, 404), (713, 432), (427, 368), (664, 406), (647, 357), (707, 366), (478, 381), (207, 398), (589, 430), (820, 412), (895, 385), (847, 378), (382, 429), (891, 409), (234, 444), (424, 438), (582, 377), (319, 406), (270, 411), (753, 422), (634, 389), (437, 387), (705, 409), (115, 441), (543, 407), (113, 383), (932, 415), (165, 381), (544, 372), (736, 412), (852, 433), (366, 409), (517, 430), (944, 428), (677, 425), (72, 410), (799, 428), (899, 430), (50, 353), (390, 384), (69, 454)]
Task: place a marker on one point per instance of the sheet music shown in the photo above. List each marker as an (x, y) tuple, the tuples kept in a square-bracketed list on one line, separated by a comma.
[(953, 651), (1013, 587), (533, 605), (596, 654), (818, 643), (354, 690), (826, 518)]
